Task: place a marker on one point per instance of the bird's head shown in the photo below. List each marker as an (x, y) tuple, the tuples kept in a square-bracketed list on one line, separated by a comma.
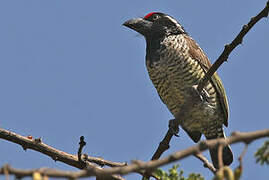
[(155, 24)]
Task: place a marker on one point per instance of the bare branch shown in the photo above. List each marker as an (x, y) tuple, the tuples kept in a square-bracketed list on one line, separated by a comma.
[(49, 172), (207, 164), (164, 145), (55, 154), (29, 143), (138, 166), (220, 148), (102, 162), (240, 159), (202, 146), (230, 47), (21, 173)]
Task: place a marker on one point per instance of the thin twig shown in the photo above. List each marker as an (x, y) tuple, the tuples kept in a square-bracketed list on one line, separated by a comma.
[(230, 47), (102, 162), (207, 164), (240, 159), (164, 145)]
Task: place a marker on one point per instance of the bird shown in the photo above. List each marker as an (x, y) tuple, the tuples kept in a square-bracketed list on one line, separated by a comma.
[(176, 64)]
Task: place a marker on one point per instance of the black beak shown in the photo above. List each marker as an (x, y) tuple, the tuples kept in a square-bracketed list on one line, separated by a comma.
[(139, 24)]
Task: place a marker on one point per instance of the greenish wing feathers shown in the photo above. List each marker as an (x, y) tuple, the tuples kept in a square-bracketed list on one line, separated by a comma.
[(197, 53), (223, 98)]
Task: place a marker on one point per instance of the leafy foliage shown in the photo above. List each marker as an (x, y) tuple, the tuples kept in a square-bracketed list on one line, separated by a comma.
[(174, 174), (262, 154)]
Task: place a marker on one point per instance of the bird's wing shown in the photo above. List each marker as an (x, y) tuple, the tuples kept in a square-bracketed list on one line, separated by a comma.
[(197, 53)]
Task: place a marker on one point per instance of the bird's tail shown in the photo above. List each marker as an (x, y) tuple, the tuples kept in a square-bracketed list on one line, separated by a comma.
[(227, 155)]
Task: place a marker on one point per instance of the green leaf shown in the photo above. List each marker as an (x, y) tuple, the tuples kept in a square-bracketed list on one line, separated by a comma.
[(174, 174), (262, 154)]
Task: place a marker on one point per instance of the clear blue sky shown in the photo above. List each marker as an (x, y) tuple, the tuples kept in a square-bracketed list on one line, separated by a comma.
[(69, 68)]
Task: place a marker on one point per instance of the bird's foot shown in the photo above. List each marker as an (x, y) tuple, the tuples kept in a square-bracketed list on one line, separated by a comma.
[(201, 96), (173, 127)]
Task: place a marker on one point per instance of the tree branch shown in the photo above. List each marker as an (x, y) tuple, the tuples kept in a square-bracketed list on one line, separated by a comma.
[(164, 145), (230, 47), (102, 162), (202, 146), (240, 159), (139, 166), (207, 164), (55, 154), (220, 148), (49, 172), (21, 173)]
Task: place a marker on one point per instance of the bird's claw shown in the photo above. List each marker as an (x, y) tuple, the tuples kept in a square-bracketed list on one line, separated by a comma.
[(202, 96), (173, 127)]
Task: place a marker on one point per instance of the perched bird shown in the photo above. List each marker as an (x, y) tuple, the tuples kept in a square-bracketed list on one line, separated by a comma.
[(176, 64)]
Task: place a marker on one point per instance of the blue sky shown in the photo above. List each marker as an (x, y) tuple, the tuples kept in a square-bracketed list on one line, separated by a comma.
[(69, 68)]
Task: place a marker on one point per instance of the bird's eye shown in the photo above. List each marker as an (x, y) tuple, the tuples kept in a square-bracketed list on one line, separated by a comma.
[(155, 17)]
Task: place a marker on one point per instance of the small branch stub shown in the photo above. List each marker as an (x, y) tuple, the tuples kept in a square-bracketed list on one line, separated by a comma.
[(82, 143)]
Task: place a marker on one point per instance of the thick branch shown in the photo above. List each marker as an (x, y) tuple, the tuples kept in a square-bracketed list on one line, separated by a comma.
[(230, 47)]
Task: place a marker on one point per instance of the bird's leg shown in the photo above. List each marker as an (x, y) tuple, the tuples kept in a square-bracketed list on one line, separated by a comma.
[(173, 126)]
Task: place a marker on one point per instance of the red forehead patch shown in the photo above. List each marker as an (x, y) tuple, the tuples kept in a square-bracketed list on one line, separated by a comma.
[(149, 14)]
